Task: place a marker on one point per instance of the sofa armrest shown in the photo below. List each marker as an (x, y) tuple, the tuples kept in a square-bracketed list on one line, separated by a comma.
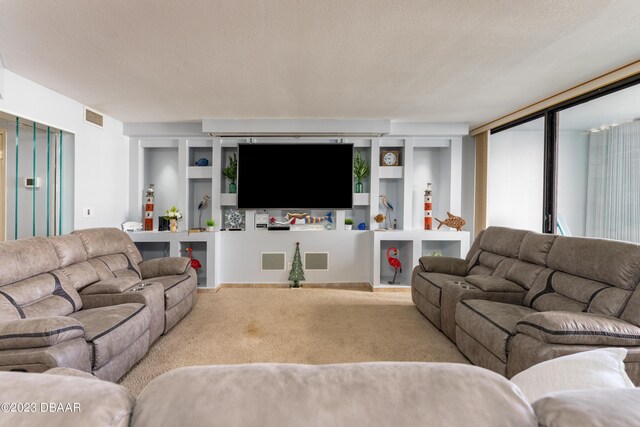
[(38, 332), (493, 284), (110, 286), (164, 267), (444, 265), (563, 327)]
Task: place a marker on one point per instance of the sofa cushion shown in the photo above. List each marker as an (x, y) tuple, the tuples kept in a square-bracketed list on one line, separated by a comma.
[(40, 332), (503, 241), (608, 407), (601, 368), (357, 394), (48, 294), (91, 402), (562, 327), (493, 284), (490, 323), (21, 259), (535, 248), (431, 287), (110, 330), (69, 249), (612, 262), (81, 274)]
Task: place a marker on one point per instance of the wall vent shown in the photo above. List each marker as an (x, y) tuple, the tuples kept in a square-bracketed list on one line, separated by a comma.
[(93, 117), (273, 261), (316, 260)]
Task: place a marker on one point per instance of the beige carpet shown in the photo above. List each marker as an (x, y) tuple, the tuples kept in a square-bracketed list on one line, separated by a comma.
[(315, 326)]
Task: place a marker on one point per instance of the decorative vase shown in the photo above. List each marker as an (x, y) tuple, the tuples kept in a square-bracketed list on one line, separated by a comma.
[(211, 228), (173, 225), (348, 227), (359, 187), (233, 188)]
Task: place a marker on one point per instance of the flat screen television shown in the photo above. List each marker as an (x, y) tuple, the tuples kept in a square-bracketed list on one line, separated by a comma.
[(295, 176)]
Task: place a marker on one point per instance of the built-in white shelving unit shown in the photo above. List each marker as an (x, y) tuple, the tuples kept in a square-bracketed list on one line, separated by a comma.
[(231, 256)]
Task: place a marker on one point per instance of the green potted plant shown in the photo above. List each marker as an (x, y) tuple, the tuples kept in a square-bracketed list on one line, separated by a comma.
[(211, 224), (348, 223), (231, 172), (360, 171)]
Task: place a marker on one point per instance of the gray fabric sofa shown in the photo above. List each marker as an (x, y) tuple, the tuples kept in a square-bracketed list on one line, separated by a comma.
[(368, 394), (521, 297), (77, 301), (358, 394)]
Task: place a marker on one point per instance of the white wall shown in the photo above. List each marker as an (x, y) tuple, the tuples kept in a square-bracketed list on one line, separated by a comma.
[(101, 155), (515, 179), (573, 166)]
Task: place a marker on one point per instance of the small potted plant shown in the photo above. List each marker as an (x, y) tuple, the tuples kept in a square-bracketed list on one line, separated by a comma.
[(173, 215), (360, 171), (211, 224), (231, 172), (348, 224)]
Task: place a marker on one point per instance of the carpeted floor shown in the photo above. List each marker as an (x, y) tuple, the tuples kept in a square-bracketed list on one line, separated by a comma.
[(315, 326)]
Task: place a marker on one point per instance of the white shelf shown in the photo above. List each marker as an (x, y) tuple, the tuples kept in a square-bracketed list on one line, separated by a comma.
[(200, 143), (361, 199), (199, 172), (391, 172), (228, 199), (386, 142)]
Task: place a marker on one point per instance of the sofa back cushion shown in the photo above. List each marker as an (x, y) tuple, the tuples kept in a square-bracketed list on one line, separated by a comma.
[(612, 262), (498, 249), (111, 252), (47, 294), (108, 241), (20, 259), (535, 248), (589, 275)]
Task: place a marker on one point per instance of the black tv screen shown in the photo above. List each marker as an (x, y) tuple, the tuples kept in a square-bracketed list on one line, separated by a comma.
[(294, 176)]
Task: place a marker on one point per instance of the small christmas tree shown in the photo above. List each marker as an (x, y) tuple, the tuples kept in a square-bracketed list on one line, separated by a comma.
[(296, 268)]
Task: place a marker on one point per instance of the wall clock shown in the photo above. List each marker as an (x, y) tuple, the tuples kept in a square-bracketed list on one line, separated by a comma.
[(389, 157), (234, 220)]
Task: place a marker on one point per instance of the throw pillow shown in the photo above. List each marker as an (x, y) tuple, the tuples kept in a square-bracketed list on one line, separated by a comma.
[(602, 368)]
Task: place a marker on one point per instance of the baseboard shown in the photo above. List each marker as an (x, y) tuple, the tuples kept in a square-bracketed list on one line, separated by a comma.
[(350, 286)]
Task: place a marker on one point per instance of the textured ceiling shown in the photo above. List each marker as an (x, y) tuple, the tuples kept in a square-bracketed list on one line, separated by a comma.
[(437, 61)]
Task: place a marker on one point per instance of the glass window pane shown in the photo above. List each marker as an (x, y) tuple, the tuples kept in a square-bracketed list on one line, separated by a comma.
[(516, 177), (598, 173)]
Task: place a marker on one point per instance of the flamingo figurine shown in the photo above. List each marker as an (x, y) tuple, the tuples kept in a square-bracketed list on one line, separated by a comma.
[(194, 262), (392, 258)]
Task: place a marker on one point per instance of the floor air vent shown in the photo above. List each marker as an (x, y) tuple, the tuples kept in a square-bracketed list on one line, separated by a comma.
[(93, 117)]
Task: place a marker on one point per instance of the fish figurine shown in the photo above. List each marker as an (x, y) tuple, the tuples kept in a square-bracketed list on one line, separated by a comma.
[(452, 221)]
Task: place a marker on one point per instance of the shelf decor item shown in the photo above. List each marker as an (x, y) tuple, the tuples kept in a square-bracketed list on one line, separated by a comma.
[(194, 262), (428, 208), (452, 221), (204, 203), (379, 219), (234, 220), (296, 274), (360, 171), (362, 226), (389, 207), (348, 223), (148, 208), (211, 224), (173, 215), (231, 172), (202, 162), (389, 157), (394, 262)]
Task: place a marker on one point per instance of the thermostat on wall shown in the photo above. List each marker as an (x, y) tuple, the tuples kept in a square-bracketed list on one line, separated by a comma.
[(32, 182)]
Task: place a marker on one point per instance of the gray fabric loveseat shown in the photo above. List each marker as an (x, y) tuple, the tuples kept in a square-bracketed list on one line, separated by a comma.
[(521, 297), (77, 301)]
